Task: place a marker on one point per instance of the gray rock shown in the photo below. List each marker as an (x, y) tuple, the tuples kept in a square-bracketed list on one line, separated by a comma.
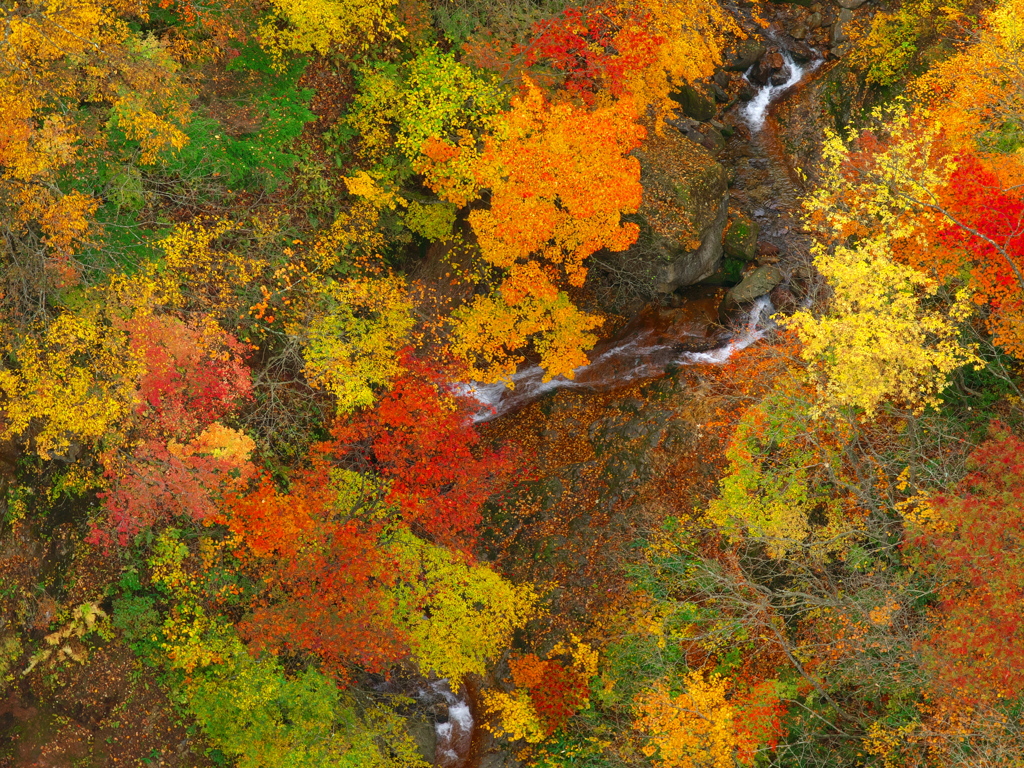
[(693, 266), (839, 35), (424, 734), (757, 283), (682, 213), (845, 16), (713, 139), (850, 4), (814, 20), (799, 31)]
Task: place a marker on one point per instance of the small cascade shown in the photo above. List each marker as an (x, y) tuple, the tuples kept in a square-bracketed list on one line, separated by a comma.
[(756, 110), (455, 733), (639, 356)]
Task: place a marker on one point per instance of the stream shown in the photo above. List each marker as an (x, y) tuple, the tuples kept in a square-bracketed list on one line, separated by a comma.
[(756, 110), (644, 351), (658, 338)]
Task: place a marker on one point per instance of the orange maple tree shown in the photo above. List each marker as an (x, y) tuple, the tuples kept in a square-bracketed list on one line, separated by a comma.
[(559, 179)]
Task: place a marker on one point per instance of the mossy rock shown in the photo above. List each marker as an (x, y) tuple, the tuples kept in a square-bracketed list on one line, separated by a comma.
[(695, 103), (747, 53), (683, 187), (682, 212), (740, 237), (757, 283)]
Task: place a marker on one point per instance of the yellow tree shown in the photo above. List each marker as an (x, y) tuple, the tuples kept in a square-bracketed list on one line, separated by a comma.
[(77, 380), (331, 26), (72, 74), (354, 346), (879, 340), (884, 336), (695, 729)]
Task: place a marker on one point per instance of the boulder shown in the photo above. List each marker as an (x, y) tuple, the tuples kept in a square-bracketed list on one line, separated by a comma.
[(759, 282), (739, 240), (838, 36), (695, 103), (801, 52), (772, 63), (814, 21), (851, 5), (683, 211), (747, 54)]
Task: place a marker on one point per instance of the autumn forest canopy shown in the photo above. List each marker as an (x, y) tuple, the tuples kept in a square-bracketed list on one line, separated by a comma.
[(540, 383)]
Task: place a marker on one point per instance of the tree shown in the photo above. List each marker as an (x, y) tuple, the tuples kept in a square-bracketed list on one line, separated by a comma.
[(983, 232), (547, 692), (784, 478), (981, 105), (76, 381), (560, 179), (327, 27), (194, 374), (701, 728), (632, 50), (420, 442), (77, 85), (972, 542), (879, 340), (359, 594), (327, 576), (161, 481), (247, 705), (173, 458), (433, 97), (459, 616), (354, 347)]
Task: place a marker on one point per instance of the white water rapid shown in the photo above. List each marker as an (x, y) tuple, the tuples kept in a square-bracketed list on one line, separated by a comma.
[(455, 735), (629, 360), (756, 109)]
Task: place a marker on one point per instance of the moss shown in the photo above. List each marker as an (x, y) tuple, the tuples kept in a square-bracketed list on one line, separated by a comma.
[(740, 238)]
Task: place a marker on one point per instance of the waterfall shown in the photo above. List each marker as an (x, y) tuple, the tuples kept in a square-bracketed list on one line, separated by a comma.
[(756, 109), (454, 735)]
